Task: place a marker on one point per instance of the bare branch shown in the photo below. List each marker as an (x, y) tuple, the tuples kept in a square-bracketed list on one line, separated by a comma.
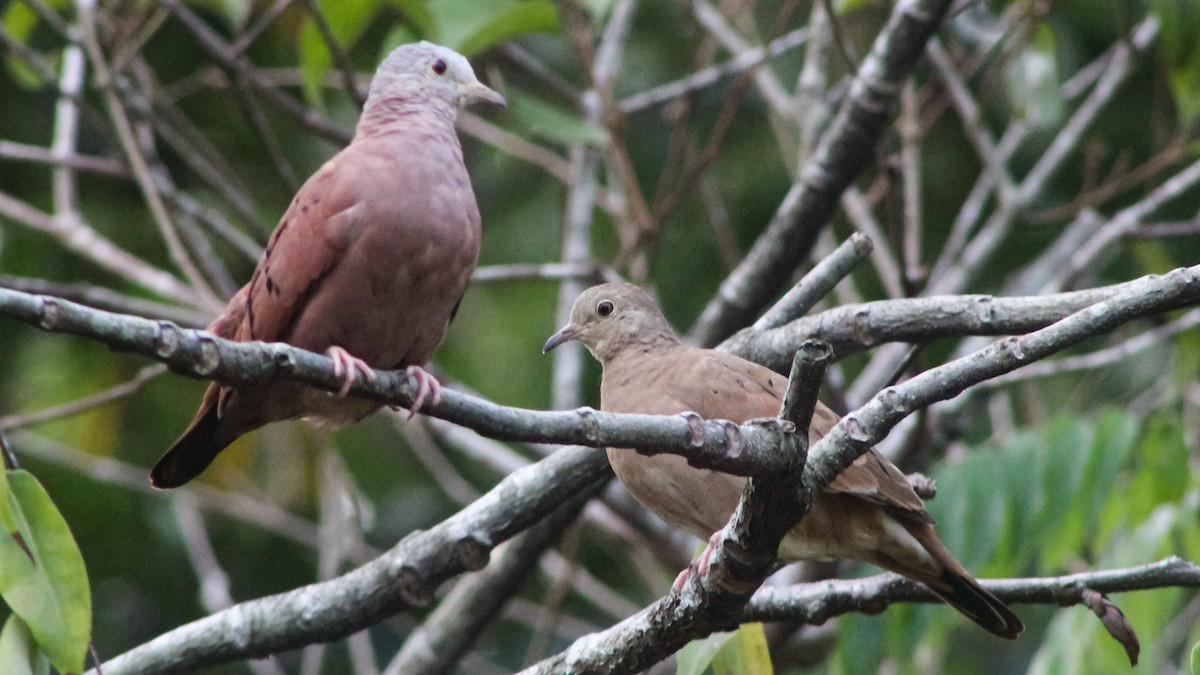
[(404, 577), (845, 148), (818, 602)]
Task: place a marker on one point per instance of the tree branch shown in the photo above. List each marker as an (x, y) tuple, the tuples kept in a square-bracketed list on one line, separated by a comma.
[(845, 148), (402, 578), (854, 328), (818, 602)]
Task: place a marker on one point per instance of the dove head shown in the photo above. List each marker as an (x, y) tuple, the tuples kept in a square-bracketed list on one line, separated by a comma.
[(612, 318), (425, 76)]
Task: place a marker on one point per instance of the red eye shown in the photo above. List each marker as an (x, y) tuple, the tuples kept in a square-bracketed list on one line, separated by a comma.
[(439, 67)]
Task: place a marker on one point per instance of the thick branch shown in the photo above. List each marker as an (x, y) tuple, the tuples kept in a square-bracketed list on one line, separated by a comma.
[(854, 328), (438, 644), (404, 577), (717, 444)]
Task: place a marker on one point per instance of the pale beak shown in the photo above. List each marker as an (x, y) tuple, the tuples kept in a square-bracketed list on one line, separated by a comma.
[(564, 334), (476, 92)]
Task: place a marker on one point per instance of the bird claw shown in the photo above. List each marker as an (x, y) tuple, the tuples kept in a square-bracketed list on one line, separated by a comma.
[(427, 387), (700, 566), (345, 366)]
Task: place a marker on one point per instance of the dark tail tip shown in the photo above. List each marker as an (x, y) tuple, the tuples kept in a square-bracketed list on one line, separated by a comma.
[(980, 606), (191, 454)]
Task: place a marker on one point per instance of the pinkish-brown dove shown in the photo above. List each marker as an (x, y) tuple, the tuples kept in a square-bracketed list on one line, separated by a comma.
[(867, 513), (367, 265)]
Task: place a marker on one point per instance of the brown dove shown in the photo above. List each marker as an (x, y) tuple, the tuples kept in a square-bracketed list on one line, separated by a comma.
[(867, 513), (367, 265)]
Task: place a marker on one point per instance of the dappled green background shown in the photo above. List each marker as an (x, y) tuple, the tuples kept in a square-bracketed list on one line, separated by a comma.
[(1080, 472)]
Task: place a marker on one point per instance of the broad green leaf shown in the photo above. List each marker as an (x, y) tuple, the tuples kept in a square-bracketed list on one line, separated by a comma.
[(697, 655), (741, 652), (18, 652), (745, 652), (347, 20), (50, 592), (417, 13), (8, 521), (469, 26), (539, 118), (1195, 659)]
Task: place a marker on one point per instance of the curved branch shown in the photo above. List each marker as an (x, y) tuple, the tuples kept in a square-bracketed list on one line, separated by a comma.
[(851, 329), (818, 602), (402, 578), (717, 444)]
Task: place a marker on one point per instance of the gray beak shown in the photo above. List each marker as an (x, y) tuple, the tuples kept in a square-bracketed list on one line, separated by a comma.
[(564, 334), (479, 93)]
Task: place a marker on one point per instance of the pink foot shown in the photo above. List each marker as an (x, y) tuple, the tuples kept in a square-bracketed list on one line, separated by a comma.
[(345, 366), (700, 567), (427, 386)]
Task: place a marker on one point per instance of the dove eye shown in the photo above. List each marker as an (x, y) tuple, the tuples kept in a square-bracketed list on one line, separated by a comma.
[(439, 67), (604, 308)]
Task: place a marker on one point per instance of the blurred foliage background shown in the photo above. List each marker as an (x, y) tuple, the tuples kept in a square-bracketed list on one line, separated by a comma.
[(1088, 468)]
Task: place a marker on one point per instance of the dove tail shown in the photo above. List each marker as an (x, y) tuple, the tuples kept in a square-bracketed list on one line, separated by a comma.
[(952, 583), (193, 452), (977, 604)]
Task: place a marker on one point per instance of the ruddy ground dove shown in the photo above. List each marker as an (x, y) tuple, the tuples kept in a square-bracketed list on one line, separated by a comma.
[(867, 513), (367, 265)]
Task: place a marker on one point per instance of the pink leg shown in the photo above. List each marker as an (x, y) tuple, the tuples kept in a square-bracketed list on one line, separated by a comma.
[(700, 567), (427, 386), (345, 366)]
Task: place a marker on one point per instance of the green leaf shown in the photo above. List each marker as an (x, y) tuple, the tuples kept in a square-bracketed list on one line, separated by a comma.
[(697, 655), (539, 118), (417, 12), (19, 21), (1195, 659), (8, 520), (347, 20), (469, 26), (742, 652), (18, 652), (745, 652), (45, 581)]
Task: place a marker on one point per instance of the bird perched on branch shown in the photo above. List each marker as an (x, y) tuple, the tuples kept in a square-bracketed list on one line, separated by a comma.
[(367, 265), (867, 513)]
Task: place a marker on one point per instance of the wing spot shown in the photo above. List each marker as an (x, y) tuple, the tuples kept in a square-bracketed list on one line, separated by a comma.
[(271, 287)]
